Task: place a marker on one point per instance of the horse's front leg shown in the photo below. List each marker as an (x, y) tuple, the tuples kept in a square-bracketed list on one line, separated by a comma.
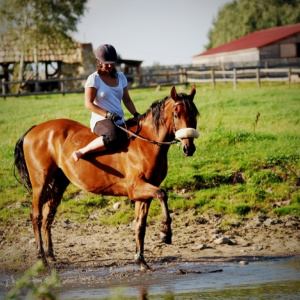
[(166, 233), (143, 192), (141, 213)]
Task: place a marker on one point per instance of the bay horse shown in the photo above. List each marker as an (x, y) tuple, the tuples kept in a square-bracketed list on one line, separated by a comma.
[(43, 158)]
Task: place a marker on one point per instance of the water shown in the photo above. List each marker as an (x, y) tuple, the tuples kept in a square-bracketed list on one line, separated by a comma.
[(265, 279), (270, 279)]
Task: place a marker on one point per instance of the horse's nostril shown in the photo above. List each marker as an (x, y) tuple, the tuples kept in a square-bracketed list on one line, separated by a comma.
[(185, 149), (189, 151)]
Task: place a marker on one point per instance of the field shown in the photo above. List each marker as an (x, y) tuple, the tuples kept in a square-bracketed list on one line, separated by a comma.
[(242, 183), (246, 163)]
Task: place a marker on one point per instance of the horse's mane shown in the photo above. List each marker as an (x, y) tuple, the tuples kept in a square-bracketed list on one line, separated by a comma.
[(157, 109)]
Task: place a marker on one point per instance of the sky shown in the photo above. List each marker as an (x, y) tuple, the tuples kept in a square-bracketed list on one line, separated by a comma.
[(164, 32)]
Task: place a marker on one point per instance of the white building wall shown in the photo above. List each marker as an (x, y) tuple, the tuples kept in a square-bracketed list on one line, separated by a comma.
[(240, 56)]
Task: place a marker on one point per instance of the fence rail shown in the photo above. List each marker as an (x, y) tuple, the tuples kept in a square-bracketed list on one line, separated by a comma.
[(235, 76), (149, 79)]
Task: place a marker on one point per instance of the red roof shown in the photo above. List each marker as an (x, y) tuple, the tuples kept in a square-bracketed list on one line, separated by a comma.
[(256, 39)]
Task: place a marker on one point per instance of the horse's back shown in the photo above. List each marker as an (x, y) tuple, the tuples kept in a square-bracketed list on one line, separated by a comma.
[(64, 126), (60, 130)]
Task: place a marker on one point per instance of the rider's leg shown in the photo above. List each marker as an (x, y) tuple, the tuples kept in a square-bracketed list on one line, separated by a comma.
[(94, 146)]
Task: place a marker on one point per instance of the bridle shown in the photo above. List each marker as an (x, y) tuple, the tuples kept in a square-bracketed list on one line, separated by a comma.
[(175, 141), (174, 105)]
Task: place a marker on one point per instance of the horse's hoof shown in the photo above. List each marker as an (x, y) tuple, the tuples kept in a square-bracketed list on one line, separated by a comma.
[(141, 262), (51, 258), (167, 239), (44, 261), (145, 267), (41, 256)]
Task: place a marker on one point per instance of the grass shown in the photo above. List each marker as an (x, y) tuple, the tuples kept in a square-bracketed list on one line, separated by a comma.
[(247, 158), (28, 287)]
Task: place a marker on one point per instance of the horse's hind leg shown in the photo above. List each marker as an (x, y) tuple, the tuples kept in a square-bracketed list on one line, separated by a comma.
[(38, 195), (141, 213), (58, 187)]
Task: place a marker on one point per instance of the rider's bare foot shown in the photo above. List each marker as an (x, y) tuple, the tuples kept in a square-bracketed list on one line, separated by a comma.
[(77, 155)]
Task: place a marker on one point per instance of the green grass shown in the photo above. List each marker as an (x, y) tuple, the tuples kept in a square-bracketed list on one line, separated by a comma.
[(250, 132)]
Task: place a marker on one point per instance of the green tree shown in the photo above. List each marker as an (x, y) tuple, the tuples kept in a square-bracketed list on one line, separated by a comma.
[(29, 23), (241, 17)]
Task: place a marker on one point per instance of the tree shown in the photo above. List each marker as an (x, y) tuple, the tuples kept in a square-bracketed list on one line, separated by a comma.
[(241, 17), (30, 23)]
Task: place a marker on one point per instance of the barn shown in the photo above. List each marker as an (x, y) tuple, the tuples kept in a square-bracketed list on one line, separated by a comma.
[(273, 47), (54, 61)]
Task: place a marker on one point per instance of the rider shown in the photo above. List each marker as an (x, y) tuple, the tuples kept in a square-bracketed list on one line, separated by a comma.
[(104, 90)]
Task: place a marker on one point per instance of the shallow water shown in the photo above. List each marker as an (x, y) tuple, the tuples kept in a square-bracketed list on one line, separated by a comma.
[(268, 279), (260, 279)]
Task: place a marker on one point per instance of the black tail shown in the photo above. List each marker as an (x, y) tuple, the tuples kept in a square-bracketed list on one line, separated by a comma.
[(20, 163)]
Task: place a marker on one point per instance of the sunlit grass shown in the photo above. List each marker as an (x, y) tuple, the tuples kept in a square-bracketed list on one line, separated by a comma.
[(250, 132)]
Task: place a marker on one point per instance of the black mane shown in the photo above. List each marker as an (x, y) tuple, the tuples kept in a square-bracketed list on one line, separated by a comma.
[(157, 109)]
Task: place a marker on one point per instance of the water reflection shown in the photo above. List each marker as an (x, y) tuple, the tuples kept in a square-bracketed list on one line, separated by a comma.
[(143, 293), (272, 279)]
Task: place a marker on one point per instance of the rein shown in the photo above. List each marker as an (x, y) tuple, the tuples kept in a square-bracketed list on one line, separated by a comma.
[(175, 141), (182, 133)]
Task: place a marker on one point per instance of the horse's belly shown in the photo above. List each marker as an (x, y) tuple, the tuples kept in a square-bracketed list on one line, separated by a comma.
[(98, 177)]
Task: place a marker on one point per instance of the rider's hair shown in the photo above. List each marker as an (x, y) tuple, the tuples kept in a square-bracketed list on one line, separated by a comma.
[(100, 70)]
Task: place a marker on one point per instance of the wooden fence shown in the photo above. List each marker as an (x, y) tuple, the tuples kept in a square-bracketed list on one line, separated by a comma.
[(258, 75), (165, 78)]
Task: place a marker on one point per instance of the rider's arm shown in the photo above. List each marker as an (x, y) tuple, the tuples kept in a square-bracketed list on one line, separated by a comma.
[(128, 102)]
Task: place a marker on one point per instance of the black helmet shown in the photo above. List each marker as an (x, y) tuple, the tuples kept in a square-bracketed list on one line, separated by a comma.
[(106, 54)]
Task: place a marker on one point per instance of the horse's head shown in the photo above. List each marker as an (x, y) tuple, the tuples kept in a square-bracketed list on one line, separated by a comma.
[(184, 113)]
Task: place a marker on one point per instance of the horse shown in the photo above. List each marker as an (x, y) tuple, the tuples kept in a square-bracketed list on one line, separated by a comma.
[(43, 158)]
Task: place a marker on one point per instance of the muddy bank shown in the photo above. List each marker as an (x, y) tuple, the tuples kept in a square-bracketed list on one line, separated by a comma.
[(204, 239)]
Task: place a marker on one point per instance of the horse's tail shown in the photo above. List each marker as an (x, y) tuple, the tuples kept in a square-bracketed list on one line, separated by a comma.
[(20, 163)]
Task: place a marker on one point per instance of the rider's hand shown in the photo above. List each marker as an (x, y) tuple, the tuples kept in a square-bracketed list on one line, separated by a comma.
[(113, 116), (136, 115)]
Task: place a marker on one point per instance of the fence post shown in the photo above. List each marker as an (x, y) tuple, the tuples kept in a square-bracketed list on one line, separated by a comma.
[(213, 78), (185, 79), (36, 85), (234, 78), (289, 77), (62, 84), (3, 88), (258, 77)]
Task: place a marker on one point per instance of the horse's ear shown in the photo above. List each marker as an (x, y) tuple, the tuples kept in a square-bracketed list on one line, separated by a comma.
[(193, 91), (174, 93)]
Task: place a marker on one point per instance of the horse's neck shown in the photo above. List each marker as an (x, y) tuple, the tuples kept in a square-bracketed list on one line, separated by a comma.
[(163, 134)]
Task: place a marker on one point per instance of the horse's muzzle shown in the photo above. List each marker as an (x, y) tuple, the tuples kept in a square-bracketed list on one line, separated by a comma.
[(188, 148)]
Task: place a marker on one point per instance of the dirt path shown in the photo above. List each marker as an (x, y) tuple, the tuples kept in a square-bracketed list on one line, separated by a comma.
[(92, 245)]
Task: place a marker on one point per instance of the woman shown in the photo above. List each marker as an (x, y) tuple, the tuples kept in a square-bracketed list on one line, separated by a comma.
[(104, 90)]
